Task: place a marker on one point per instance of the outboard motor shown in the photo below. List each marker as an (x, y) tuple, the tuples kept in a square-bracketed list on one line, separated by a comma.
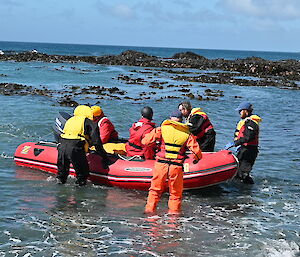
[(59, 124)]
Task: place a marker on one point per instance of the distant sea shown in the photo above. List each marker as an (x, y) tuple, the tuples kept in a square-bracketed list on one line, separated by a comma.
[(40, 218), (98, 50)]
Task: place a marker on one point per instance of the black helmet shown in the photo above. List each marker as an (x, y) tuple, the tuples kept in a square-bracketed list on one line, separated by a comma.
[(147, 112)]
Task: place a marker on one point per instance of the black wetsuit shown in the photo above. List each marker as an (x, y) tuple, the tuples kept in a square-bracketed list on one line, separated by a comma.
[(72, 151), (208, 140), (247, 153)]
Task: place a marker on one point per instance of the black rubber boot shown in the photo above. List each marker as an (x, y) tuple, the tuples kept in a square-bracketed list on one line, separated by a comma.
[(248, 180), (80, 182), (61, 181)]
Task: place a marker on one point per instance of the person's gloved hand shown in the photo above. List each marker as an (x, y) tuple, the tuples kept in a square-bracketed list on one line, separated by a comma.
[(229, 145)]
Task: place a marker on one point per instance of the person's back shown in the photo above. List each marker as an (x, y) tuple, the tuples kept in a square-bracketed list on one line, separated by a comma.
[(78, 133), (134, 146), (175, 138), (107, 130), (74, 126)]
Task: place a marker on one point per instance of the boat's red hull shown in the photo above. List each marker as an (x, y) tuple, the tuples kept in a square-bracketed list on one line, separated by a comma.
[(213, 168)]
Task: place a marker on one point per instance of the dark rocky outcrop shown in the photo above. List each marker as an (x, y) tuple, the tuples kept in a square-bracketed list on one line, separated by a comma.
[(283, 74), (188, 55), (20, 89), (67, 101), (64, 96)]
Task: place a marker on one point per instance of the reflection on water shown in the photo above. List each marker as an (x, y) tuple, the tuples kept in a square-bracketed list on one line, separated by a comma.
[(64, 220), (28, 174)]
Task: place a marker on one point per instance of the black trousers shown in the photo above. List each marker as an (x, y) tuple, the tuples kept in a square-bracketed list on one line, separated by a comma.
[(208, 141), (72, 151), (246, 156)]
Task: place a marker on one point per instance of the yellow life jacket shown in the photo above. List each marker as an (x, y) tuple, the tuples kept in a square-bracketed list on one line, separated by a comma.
[(175, 135), (241, 123), (115, 148), (197, 111), (74, 127)]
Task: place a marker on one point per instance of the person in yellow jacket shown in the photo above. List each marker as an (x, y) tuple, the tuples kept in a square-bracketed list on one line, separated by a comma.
[(175, 138), (78, 134)]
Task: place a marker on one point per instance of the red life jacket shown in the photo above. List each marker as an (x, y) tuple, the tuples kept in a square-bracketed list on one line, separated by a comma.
[(137, 132), (206, 125), (107, 129), (241, 126)]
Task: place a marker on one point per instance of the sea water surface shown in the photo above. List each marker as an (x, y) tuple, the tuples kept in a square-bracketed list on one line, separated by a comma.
[(41, 218)]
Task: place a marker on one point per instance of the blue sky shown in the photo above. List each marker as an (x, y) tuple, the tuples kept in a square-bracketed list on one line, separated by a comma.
[(271, 25)]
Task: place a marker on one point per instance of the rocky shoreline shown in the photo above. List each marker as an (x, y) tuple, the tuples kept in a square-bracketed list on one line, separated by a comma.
[(253, 66), (63, 97), (284, 74)]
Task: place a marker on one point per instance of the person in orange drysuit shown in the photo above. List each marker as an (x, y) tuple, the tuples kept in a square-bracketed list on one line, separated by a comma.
[(175, 138), (107, 130)]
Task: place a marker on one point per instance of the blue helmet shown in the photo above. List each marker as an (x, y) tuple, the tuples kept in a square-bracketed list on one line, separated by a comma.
[(244, 106), (176, 114)]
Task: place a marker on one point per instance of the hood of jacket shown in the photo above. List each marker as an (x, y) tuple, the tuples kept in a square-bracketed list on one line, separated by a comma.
[(83, 111), (141, 122)]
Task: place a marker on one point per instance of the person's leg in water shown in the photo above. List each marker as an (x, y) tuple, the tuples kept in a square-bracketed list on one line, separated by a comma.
[(158, 180), (63, 163), (175, 188), (80, 165)]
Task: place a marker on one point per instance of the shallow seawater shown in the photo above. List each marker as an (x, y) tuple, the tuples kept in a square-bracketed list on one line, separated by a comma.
[(40, 218)]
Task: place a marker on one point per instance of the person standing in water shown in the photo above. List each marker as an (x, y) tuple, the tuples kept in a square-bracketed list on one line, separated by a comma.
[(78, 135), (175, 139), (246, 136)]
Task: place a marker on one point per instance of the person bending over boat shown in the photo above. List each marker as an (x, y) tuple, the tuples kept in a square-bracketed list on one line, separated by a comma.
[(175, 138), (134, 146), (108, 133), (78, 133), (247, 137), (199, 125)]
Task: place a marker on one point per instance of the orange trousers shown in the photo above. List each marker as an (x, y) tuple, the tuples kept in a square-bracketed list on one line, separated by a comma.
[(162, 172)]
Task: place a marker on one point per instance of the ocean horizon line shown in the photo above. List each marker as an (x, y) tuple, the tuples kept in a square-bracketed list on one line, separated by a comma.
[(156, 47)]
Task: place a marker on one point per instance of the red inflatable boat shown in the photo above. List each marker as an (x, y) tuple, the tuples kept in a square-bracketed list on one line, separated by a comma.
[(212, 169)]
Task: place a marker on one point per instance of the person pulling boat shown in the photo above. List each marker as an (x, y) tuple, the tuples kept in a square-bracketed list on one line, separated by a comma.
[(246, 136), (78, 134), (175, 139)]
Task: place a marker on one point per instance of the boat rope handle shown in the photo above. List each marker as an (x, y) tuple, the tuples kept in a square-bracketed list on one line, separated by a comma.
[(47, 142), (128, 159)]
